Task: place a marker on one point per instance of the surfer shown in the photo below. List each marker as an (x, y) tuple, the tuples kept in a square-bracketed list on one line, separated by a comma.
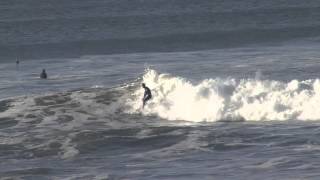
[(43, 74), (147, 95), (17, 63)]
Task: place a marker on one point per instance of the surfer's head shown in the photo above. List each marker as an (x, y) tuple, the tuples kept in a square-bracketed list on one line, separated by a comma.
[(143, 85)]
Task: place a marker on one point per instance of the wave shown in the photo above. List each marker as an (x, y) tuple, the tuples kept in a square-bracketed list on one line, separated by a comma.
[(176, 98), (66, 124)]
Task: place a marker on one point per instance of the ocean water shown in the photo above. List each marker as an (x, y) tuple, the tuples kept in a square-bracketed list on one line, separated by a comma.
[(235, 84)]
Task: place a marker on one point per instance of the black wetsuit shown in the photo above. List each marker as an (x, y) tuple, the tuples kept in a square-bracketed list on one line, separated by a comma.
[(43, 75), (147, 95)]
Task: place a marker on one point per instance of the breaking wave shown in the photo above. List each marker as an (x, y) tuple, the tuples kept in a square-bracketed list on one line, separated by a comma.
[(176, 98)]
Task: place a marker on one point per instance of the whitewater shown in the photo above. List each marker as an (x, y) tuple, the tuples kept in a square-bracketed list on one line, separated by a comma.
[(235, 90), (252, 120), (217, 99)]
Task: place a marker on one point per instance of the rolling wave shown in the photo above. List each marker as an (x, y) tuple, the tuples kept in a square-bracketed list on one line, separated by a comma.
[(176, 98)]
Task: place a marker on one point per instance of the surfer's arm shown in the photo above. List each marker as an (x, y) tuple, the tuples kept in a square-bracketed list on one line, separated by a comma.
[(145, 94)]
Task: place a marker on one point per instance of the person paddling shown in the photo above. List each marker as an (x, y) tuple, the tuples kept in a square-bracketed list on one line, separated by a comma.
[(43, 74), (147, 95)]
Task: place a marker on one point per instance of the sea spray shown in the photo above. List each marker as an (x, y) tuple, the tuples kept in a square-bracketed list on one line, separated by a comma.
[(176, 98)]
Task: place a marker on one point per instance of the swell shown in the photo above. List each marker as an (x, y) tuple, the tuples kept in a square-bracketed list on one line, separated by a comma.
[(158, 25), (88, 13), (60, 32), (168, 43)]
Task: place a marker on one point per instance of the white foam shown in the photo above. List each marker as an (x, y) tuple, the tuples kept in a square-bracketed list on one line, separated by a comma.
[(20, 104), (176, 98), (271, 163), (69, 150)]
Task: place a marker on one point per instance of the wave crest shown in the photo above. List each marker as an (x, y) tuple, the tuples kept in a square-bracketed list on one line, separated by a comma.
[(176, 98)]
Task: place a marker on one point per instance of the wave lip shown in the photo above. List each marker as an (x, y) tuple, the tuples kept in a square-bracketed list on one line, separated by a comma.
[(176, 98)]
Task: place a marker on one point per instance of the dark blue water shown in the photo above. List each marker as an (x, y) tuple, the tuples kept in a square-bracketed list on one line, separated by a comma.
[(235, 86), (41, 29)]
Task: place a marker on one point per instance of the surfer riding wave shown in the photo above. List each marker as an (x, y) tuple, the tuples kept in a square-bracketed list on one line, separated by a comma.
[(147, 95)]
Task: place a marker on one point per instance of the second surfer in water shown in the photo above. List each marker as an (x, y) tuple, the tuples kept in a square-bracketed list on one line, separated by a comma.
[(147, 95), (43, 74)]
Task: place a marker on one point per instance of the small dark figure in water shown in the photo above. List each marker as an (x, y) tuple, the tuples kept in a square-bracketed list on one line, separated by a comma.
[(43, 74), (17, 63), (147, 95)]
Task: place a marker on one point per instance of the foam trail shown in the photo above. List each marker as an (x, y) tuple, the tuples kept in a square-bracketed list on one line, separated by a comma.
[(176, 98)]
